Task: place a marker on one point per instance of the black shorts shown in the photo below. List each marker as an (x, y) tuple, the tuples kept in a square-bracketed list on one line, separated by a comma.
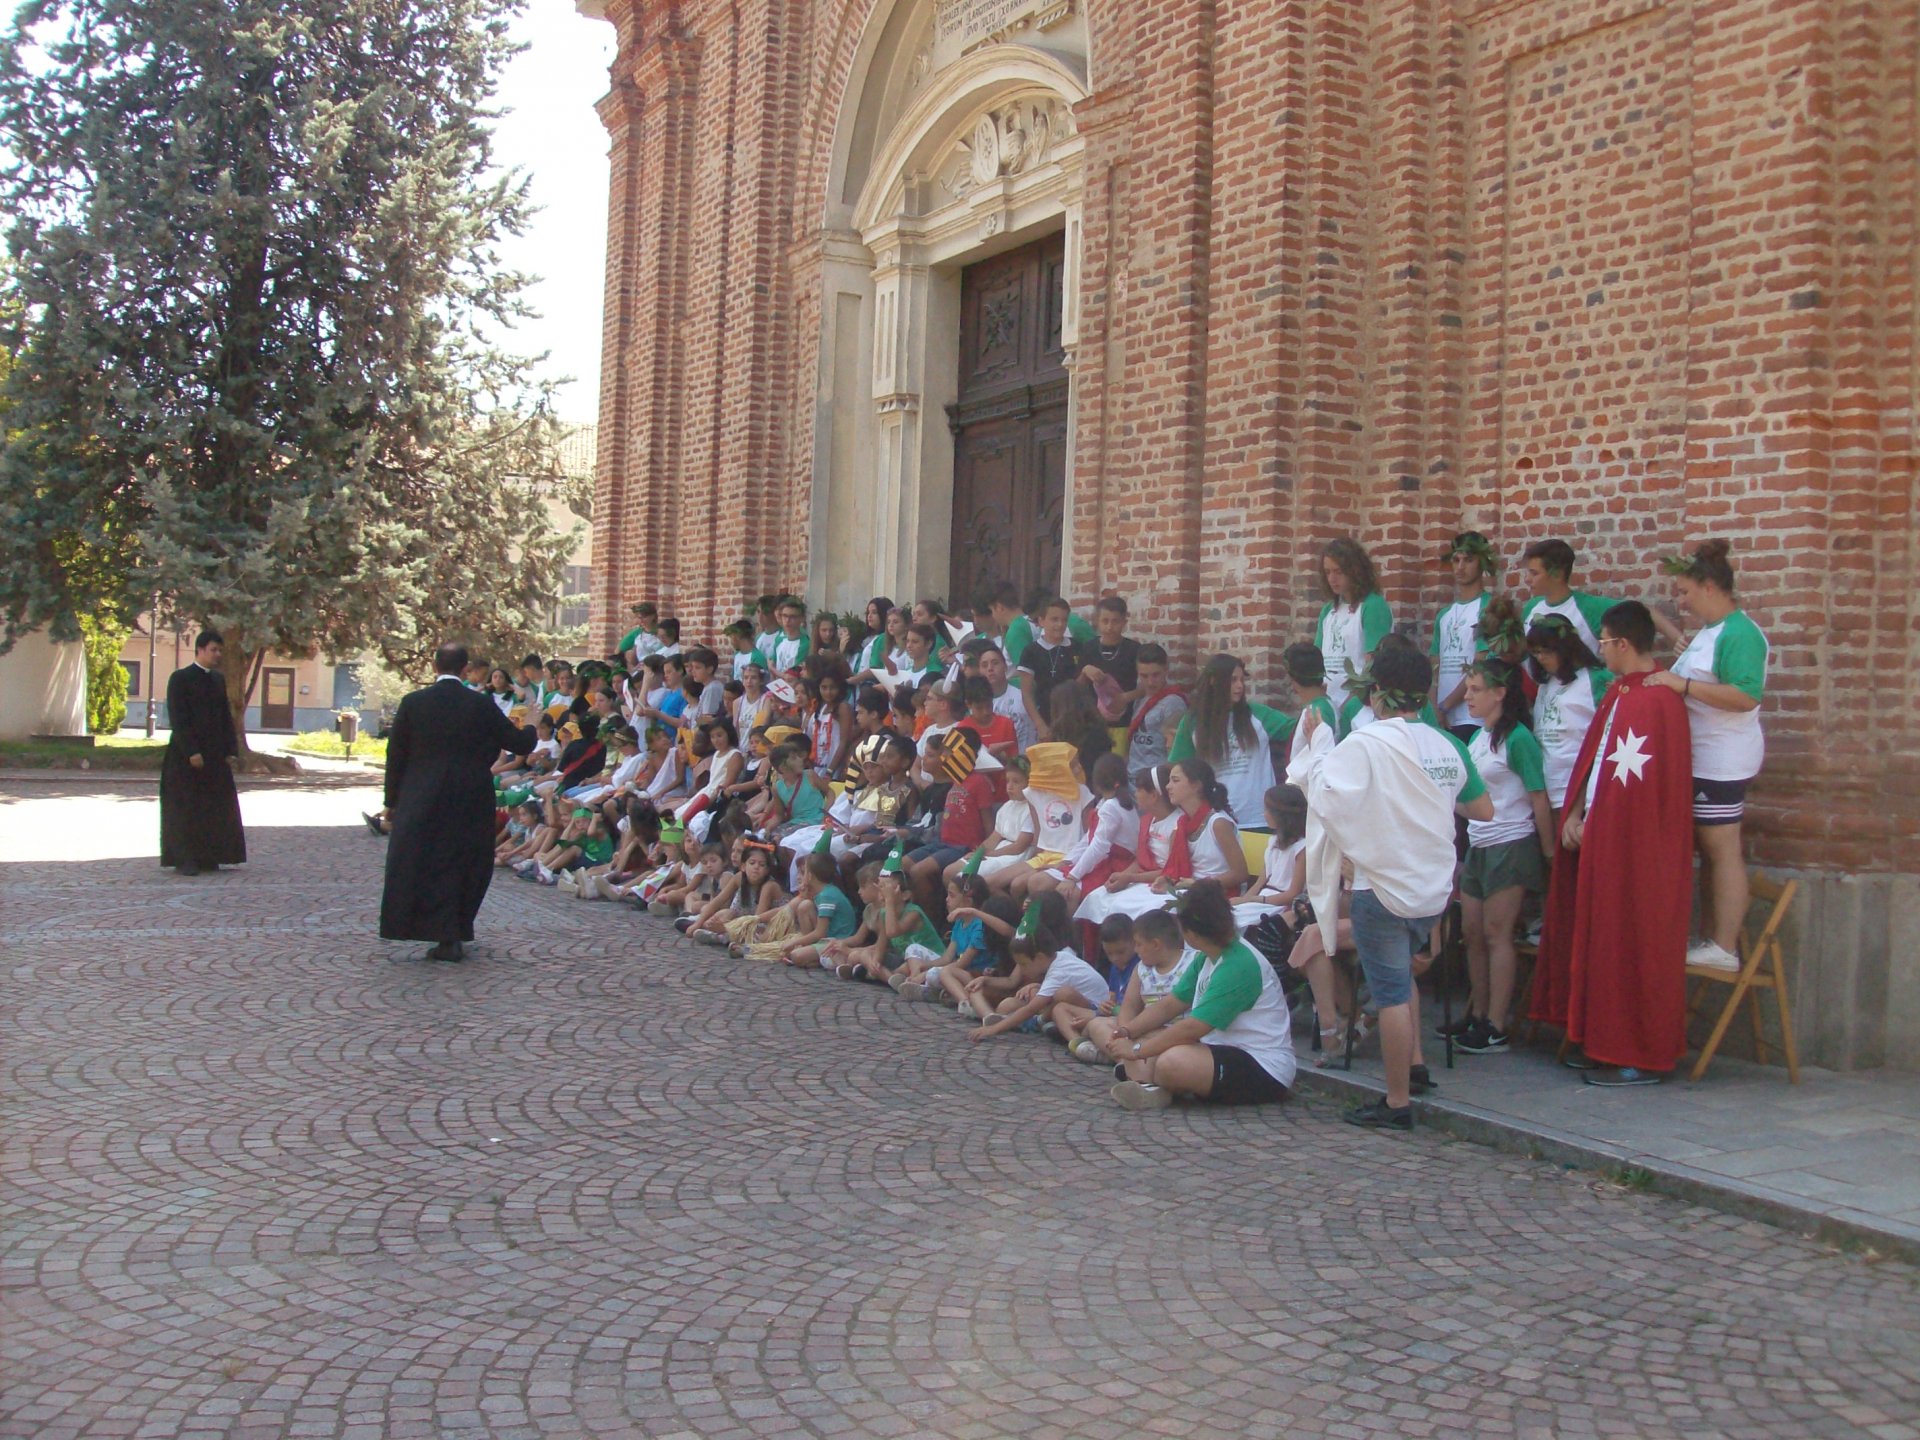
[(1239, 1079), (1719, 802)]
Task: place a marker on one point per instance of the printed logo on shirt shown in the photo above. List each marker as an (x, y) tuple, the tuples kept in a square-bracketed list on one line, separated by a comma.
[(1056, 814)]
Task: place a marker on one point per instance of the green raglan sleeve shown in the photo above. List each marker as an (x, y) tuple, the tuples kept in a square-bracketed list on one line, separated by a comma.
[(1232, 991), (1376, 620), (1740, 656), (1601, 678), (1019, 636), (1593, 607), (1525, 759), (1277, 724), (1343, 722), (1081, 630)]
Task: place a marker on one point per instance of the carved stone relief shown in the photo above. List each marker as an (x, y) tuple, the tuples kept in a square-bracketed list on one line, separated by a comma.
[(1010, 140)]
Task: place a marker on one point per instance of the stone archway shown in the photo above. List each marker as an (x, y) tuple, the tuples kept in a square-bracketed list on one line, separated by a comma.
[(966, 153)]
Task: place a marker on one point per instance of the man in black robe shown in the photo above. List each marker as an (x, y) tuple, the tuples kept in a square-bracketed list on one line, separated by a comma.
[(440, 804), (199, 806)]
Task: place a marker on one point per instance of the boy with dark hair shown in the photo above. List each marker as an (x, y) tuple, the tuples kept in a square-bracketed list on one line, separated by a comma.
[(786, 653), (667, 632), (1456, 631), (740, 637), (639, 642), (1052, 658), (1613, 950), (1386, 798), (1159, 709), (1112, 662)]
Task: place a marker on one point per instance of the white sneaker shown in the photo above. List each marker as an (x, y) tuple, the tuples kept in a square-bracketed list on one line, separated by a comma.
[(1711, 954)]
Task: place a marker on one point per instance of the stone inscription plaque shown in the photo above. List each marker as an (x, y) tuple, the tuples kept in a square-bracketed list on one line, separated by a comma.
[(960, 25)]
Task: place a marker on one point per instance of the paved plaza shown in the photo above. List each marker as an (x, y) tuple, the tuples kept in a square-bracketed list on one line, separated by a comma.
[(266, 1176)]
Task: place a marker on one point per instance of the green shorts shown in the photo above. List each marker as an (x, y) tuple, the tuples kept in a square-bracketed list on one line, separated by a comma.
[(1493, 868)]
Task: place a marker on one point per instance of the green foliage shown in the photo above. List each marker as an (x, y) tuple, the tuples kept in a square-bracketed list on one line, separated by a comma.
[(252, 291), (106, 676), (328, 742)]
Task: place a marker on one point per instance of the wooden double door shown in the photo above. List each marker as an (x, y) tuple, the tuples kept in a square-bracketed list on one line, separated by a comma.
[(1010, 422)]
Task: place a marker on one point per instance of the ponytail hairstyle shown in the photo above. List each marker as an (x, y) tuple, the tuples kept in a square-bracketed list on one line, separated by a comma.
[(1153, 780), (1213, 710), (1109, 779), (1707, 565), (1515, 709), (1200, 775), (1205, 912)]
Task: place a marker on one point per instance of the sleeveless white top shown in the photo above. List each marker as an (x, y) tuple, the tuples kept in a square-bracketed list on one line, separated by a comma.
[(1209, 862)]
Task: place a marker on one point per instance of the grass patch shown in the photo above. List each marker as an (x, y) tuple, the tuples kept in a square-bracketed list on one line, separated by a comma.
[(108, 752), (327, 743)]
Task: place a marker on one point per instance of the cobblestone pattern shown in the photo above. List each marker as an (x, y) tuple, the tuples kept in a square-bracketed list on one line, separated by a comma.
[(264, 1176)]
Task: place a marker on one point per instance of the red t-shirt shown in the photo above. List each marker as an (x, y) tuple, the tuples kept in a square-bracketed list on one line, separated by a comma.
[(999, 731), (964, 821)]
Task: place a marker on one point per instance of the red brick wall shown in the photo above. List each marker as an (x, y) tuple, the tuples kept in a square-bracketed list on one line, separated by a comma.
[(1626, 272)]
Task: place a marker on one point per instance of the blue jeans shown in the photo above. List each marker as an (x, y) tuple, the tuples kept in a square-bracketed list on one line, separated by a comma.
[(1387, 944)]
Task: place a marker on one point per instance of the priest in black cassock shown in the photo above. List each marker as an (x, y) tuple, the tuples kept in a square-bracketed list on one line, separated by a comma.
[(199, 806), (440, 753)]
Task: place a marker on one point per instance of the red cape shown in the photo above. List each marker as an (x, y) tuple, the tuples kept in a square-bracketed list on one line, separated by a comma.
[(1613, 950)]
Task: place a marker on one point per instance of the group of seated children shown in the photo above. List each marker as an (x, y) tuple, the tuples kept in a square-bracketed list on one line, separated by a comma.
[(1008, 790)]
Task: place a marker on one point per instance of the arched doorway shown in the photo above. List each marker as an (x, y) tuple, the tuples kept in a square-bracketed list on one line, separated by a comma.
[(943, 437)]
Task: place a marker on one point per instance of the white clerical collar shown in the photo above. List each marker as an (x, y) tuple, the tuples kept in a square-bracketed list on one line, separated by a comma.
[(201, 668), (455, 678)]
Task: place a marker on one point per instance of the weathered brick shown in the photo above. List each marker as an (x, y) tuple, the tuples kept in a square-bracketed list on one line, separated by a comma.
[(1629, 274)]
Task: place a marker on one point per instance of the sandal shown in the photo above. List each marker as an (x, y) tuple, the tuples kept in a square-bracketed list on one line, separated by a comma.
[(1333, 1046)]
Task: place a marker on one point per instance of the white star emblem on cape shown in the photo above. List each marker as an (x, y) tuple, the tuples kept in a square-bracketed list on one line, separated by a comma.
[(1630, 757)]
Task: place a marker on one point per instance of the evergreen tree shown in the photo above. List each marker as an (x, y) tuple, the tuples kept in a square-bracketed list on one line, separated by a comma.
[(255, 286)]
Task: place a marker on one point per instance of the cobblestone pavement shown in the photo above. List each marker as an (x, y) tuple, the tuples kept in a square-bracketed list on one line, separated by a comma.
[(264, 1176)]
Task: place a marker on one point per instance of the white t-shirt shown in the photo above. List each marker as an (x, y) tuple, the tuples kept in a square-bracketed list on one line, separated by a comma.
[(1014, 819), (1511, 773), (1157, 984), (1059, 819), (1069, 972), (1265, 1028), (1447, 764), (1727, 744), (546, 747), (1562, 711), (1456, 636), (1010, 705)]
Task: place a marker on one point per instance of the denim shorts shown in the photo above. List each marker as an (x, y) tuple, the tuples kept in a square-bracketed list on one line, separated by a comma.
[(1387, 944)]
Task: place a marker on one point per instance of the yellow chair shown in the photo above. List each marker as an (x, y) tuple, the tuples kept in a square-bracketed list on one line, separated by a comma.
[(1749, 980), (1253, 845), (1121, 739)]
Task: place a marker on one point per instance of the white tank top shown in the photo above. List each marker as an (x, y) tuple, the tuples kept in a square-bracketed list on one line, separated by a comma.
[(1209, 863), (1159, 842)]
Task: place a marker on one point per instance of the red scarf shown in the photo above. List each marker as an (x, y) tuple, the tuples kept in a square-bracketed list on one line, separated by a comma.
[(1140, 711), (1179, 864)]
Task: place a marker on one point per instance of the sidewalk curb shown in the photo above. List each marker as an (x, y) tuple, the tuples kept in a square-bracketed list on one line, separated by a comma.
[(1840, 1227), (308, 779)]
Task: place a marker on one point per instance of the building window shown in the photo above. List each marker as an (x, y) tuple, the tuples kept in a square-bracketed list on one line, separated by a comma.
[(575, 587), (132, 667), (346, 687)]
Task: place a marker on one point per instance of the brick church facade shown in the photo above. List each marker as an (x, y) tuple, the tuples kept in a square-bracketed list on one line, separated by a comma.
[(1155, 297)]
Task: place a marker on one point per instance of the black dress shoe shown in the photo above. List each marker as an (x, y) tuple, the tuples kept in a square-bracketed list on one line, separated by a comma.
[(446, 950), (186, 867)]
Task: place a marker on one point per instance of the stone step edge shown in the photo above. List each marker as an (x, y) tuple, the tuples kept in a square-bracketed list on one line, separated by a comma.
[(1843, 1228)]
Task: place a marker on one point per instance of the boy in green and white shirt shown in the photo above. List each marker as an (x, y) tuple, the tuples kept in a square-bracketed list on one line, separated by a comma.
[(786, 652), (1348, 633), (1456, 630)]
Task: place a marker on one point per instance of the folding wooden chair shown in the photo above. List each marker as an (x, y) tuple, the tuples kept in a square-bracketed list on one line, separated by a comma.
[(1761, 968)]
